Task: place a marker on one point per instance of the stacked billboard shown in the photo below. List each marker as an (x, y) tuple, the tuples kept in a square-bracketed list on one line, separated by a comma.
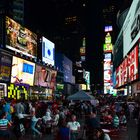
[(108, 66)]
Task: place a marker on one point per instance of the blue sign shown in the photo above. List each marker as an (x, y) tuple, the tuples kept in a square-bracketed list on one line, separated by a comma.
[(28, 68)]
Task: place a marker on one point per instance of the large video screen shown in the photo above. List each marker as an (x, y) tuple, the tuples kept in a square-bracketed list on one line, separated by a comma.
[(45, 77), (131, 27), (48, 51), (20, 39), (22, 71), (128, 70), (5, 67)]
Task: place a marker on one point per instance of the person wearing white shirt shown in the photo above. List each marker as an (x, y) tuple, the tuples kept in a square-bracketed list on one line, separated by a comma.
[(74, 127)]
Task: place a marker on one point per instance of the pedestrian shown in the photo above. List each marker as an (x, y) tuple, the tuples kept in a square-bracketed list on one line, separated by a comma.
[(101, 135), (63, 131), (4, 125), (116, 121), (74, 127)]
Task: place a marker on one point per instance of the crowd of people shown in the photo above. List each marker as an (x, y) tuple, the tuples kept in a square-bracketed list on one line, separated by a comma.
[(66, 120)]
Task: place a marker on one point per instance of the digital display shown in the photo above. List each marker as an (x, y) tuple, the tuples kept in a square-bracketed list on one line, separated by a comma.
[(131, 27), (45, 77), (22, 71), (27, 68), (20, 39), (5, 67), (128, 70), (18, 91), (108, 28), (108, 38), (48, 52), (108, 47)]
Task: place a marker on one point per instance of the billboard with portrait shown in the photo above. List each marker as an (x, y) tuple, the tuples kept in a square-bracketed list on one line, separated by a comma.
[(20, 39), (45, 77), (22, 71), (48, 51), (5, 67)]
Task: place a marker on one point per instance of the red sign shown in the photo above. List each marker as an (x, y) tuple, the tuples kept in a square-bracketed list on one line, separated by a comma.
[(128, 70)]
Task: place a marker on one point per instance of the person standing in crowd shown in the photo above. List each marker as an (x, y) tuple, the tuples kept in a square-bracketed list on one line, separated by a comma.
[(7, 109), (123, 120), (4, 124), (116, 121), (47, 119), (101, 135), (131, 110), (74, 127), (34, 121), (63, 131), (92, 123)]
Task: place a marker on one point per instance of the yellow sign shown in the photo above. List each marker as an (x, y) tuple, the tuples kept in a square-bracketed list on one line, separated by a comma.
[(17, 92)]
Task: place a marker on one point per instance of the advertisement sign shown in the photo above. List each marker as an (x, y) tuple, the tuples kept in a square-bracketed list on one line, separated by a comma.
[(58, 61), (22, 71), (107, 48), (107, 64), (20, 39), (45, 77), (107, 56), (131, 27), (108, 29), (48, 52), (108, 38), (67, 69), (82, 50), (18, 91), (87, 79), (128, 70), (3, 90), (5, 67)]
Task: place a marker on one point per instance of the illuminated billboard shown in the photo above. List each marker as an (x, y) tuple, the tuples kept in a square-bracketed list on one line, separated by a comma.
[(108, 38), (108, 28), (108, 47), (48, 51), (5, 67), (131, 27), (20, 39), (128, 70), (107, 56), (82, 50), (45, 77), (18, 91), (22, 71)]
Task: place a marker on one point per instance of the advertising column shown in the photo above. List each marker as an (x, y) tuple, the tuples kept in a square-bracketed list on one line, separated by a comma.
[(108, 66)]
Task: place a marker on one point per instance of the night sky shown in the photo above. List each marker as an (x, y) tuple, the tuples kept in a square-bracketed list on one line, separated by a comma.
[(47, 16)]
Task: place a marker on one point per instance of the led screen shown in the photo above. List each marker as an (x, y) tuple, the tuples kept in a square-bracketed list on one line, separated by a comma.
[(22, 71), (107, 48), (20, 39), (48, 51), (128, 70), (131, 27), (45, 77), (108, 28), (67, 69), (5, 67), (108, 39)]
